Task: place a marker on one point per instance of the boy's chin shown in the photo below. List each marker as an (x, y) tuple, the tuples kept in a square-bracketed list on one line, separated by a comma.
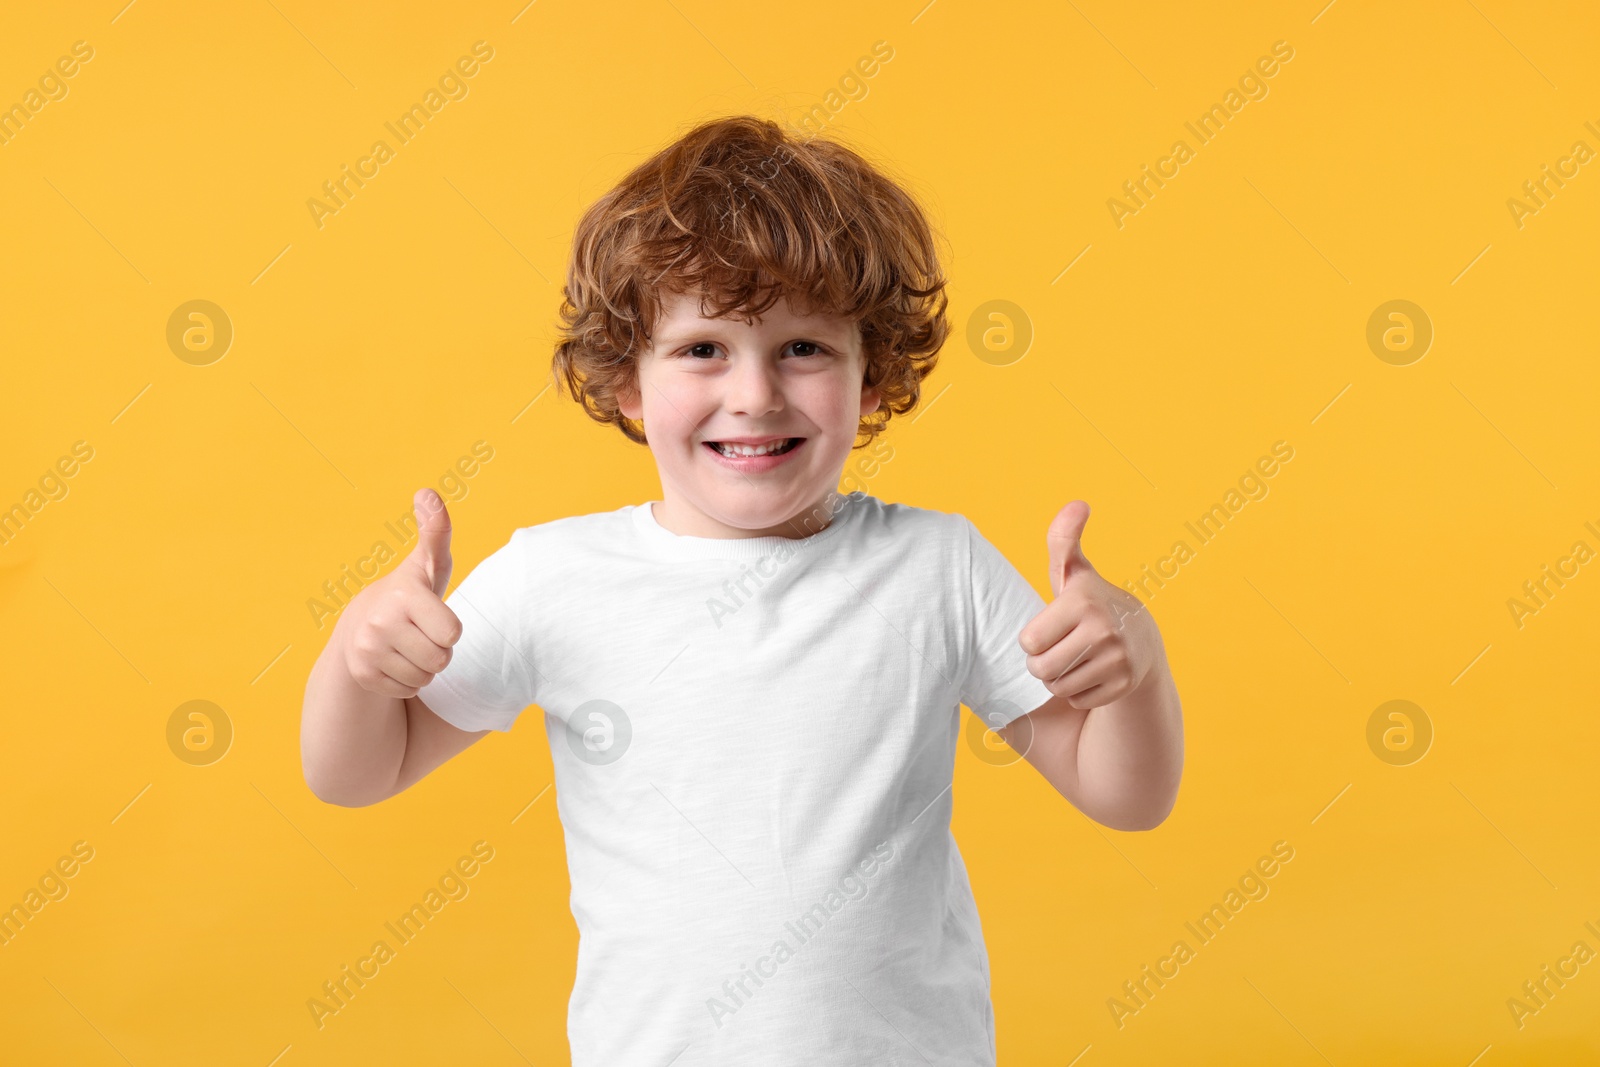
[(761, 509)]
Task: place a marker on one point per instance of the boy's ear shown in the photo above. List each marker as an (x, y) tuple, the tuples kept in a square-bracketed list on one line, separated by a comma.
[(871, 395), (629, 404)]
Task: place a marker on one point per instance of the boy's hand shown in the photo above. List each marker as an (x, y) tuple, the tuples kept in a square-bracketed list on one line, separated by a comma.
[(398, 631), (1094, 643)]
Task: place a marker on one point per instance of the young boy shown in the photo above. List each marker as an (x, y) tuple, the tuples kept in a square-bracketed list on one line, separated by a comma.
[(752, 686)]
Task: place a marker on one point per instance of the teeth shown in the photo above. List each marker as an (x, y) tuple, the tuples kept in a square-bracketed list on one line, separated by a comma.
[(750, 450)]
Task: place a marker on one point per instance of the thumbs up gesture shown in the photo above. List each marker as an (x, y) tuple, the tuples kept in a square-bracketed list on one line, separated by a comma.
[(431, 558), (397, 632), (1093, 643)]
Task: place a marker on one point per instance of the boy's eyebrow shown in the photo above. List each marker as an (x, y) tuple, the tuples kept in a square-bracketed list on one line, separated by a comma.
[(678, 334)]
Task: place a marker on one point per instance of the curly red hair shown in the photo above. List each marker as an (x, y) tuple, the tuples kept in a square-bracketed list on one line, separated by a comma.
[(744, 212)]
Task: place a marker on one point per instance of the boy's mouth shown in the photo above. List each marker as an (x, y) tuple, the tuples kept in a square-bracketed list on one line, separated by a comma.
[(775, 447)]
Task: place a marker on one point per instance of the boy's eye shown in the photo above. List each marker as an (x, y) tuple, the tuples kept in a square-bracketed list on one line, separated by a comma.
[(708, 349)]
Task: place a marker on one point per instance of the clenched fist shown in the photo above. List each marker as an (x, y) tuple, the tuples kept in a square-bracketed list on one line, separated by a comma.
[(1094, 643), (397, 632)]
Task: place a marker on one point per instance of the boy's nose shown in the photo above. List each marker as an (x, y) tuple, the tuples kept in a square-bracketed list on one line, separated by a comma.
[(753, 388)]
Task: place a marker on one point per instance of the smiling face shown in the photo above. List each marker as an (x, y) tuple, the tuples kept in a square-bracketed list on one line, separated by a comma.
[(712, 387)]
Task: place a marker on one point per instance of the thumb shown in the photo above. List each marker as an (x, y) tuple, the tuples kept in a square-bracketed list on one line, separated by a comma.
[(1066, 544), (432, 554)]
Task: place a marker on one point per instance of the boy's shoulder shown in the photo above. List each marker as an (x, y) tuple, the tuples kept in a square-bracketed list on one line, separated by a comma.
[(589, 528), (907, 520)]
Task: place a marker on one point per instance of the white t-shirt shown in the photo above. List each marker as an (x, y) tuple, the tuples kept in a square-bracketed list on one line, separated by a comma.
[(753, 742)]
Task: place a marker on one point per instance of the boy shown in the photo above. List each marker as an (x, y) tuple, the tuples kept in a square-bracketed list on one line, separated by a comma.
[(752, 686)]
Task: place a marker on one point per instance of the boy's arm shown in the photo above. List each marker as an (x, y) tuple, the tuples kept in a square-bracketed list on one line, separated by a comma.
[(430, 741), (1111, 738), (351, 740), (358, 747), (1118, 763), (364, 733)]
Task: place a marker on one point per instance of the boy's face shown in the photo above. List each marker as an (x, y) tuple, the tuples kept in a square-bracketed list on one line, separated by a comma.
[(785, 376)]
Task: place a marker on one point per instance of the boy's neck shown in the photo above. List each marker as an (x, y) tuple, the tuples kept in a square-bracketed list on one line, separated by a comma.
[(686, 520)]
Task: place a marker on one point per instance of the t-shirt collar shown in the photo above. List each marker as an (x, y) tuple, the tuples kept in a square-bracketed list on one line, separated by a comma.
[(842, 506)]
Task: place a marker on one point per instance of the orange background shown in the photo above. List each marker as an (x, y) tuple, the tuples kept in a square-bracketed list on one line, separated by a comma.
[(1228, 313)]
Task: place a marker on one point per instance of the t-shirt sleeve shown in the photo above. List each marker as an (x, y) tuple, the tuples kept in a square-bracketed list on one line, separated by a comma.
[(490, 677), (997, 685)]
